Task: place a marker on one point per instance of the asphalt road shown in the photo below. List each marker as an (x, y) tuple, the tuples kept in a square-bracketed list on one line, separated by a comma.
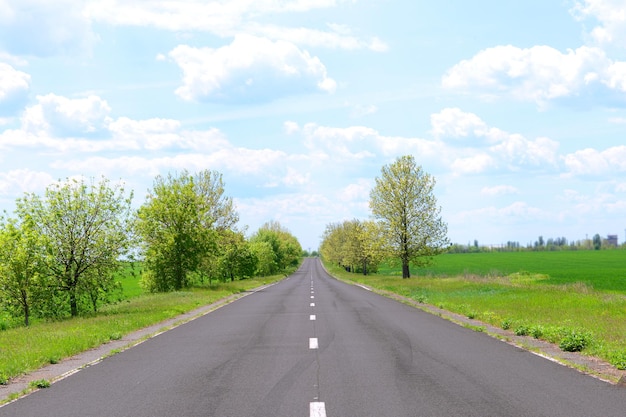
[(313, 346)]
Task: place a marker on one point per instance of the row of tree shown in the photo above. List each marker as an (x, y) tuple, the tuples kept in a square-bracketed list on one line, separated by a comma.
[(61, 251), (407, 228), (541, 244)]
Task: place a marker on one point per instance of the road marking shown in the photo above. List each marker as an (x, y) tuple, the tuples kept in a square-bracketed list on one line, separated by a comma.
[(313, 343), (317, 409), (312, 297), (312, 317), (312, 304), (364, 287)]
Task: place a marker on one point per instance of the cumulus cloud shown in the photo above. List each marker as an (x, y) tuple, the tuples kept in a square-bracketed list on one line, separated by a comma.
[(14, 86), (19, 181), (63, 116), (610, 16), (538, 74), (356, 192), (481, 147), (592, 162), (249, 69)]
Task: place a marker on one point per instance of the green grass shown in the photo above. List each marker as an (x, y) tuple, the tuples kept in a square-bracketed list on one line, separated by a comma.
[(25, 349), (602, 270), (575, 299)]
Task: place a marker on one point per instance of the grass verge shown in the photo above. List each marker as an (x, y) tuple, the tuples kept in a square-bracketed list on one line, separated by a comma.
[(574, 316), (25, 349)]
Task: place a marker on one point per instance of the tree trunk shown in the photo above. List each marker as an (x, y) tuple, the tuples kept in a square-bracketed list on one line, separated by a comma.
[(73, 303), (406, 273), (26, 315)]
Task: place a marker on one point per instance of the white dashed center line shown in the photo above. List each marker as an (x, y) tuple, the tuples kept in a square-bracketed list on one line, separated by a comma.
[(318, 409), (313, 343), (312, 317), (312, 304)]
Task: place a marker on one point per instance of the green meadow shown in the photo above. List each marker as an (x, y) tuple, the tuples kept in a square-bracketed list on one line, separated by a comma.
[(576, 299), (23, 349), (602, 269)]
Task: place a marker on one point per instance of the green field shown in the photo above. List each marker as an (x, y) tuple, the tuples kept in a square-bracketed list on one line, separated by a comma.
[(603, 270), (550, 295)]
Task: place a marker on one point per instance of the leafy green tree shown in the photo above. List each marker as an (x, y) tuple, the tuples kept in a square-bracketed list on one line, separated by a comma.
[(86, 229), (285, 247), (265, 256), (22, 266), (179, 225), (236, 260), (404, 203), (356, 245)]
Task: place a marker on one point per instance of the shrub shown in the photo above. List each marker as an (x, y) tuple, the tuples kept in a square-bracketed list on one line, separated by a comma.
[(575, 341), (536, 331), (522, 330), (506, 324), (40, 383)]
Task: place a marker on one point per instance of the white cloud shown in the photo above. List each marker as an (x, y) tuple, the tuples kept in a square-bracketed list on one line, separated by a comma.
[(457, 124), (296, 178), (594, 162), (475, 164), (538, 74), (231, 18), (499, 190), (249, 69), (356, 192), (363, 110), (64, 116), (12, 82), (611, 16), (23, 180), (339, 37), (504, 150)]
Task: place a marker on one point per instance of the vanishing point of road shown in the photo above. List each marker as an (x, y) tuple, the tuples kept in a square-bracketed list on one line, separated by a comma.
[(313, 346)]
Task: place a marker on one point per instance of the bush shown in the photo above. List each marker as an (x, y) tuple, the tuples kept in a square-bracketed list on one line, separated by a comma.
[(506, 324), (40, 383), (575, 341), (522, 330), (536, 331)]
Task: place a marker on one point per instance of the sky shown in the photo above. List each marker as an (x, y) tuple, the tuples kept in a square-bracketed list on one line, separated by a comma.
[(517, 108)]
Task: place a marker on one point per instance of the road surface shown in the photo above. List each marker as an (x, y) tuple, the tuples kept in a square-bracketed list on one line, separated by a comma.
[(313, 346)]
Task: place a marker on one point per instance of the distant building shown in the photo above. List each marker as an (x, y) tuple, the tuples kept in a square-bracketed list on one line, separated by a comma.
[(611, 240)]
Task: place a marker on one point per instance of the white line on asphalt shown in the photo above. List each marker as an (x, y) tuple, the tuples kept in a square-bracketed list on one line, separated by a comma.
[(312, 304), (364, 287), (313, 343), (312, 297), (317, 409), (312, 317)]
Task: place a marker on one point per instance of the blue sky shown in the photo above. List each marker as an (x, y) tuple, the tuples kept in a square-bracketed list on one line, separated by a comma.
[(517, 108)]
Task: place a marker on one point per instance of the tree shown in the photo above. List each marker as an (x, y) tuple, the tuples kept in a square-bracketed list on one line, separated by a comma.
[(179, 225), (356, 245), (22, 266), (236, 259), (597, 242), (285, 247), (404, 203), (86, 229)]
